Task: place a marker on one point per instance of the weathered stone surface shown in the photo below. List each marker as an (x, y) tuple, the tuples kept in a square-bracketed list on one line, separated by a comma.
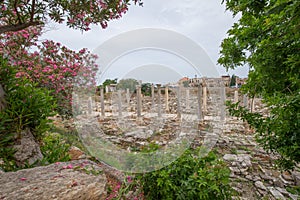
[(76, 154), (260, 185), (296, 176), (75, 180), (276, 194), (27, 150), (230, 157), (278, 183), (287, 176)]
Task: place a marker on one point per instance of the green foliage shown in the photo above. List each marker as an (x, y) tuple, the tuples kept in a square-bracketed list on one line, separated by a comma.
[(128, 83), (186, 83), (16, 14), (267, 38), (108, 82), (70, 136), (232, 80), (146, 89), (26, 107), (54, 149), (294, 190), (189, 177), (279, 131)]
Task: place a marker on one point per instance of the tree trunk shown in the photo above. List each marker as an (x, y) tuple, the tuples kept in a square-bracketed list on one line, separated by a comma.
[(2, 98), (17, 27)]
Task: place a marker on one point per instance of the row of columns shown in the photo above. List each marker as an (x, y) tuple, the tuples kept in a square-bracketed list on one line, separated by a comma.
[(201, 98), (247, 103)]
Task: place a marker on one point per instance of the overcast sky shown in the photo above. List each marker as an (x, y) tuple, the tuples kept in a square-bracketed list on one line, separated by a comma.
[(204, 21)]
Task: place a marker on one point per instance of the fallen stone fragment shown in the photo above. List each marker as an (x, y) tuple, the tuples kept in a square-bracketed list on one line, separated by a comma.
[(230, 157), (296, 176), (287, 176), (76, 154), (276, 193), (76, 180), (27, 149), (260, 185)]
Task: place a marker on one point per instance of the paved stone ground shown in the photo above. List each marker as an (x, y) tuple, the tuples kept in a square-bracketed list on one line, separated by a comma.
[(253, 172)]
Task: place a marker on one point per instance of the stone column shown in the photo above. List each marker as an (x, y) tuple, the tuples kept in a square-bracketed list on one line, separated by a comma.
[(187, 99), (76, 104), (253, 104), (90, 106), (152, 95), (139, 101), (178, 102), (236, 96), (102, 102), (120, 103), (127, 96), (167, 97), (159, 100), (223, 100), (204, 90), (199, 100)]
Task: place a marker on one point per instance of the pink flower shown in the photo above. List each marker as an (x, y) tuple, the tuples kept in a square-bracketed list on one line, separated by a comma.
[(129, 180), (71, 21), (18, 75), (25, 35), (23, 179), (82, 51), (70, 166)]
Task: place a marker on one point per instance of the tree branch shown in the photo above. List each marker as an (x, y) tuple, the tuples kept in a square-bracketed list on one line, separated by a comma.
[(17, 27), (17, 12), (32, 10)]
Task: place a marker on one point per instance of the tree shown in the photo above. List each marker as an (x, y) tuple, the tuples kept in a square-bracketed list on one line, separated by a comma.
[(17, 15), (52, 66), (128, 83), (29, 79), (232, 80), (267, 38), (146, 89)]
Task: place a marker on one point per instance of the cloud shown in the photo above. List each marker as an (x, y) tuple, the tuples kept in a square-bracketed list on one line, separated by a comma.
[(205, 22)]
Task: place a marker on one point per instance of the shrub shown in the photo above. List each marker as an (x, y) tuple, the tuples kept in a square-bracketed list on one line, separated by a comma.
[(26, 106), (54, 149), (189, 177)]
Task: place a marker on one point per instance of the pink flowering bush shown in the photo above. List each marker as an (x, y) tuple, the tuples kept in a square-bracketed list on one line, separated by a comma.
[(51, 65), (17, 15), (130, 190)]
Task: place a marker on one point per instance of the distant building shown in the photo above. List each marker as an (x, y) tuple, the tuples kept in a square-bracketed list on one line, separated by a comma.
[(111, 88), (226, 80), (195, 81), (184, 81), (241, 81)]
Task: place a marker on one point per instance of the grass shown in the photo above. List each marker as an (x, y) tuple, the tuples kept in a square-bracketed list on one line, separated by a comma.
[(71, 137)]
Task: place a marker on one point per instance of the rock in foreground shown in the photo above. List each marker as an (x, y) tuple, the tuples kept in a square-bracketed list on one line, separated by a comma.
[(76, 180)]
